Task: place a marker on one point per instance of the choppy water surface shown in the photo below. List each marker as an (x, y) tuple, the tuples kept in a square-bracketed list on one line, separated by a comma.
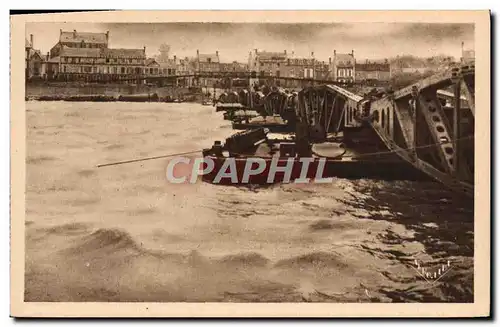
[(123, 233)]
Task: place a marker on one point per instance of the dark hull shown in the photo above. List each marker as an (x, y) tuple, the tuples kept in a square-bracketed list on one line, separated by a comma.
[(349, 169), (273, 128)]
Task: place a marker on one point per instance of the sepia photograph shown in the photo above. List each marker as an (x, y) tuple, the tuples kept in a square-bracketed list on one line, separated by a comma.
[(213, 159)]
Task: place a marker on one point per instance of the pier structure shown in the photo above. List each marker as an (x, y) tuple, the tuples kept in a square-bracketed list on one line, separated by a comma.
[(429, 124)]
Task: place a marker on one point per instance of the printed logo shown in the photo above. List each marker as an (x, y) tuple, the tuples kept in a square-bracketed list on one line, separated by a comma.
[(303, 170), (431, 274)]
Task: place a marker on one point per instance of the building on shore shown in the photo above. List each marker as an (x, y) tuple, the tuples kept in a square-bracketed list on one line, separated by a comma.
[(185, 67), (34, 61), (166, 66), (157, 69), (85, 56), (265, 63), (152, 67), (296, 67), (79, 40), (207, 63), (233, 81), (468, 56), (233, 67), (373, 71), (323, 71), (102, 65), (411, 65), (343, 67), (303, 68), (287, 64)]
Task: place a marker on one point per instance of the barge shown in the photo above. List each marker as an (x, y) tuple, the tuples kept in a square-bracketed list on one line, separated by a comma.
[(275, 124), (253, 157)]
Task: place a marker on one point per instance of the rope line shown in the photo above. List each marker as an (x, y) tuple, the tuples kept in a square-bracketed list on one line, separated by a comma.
[(148, 158), (247, 155)]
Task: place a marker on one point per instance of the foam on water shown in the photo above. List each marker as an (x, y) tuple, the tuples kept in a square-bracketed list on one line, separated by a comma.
[(123, 233)]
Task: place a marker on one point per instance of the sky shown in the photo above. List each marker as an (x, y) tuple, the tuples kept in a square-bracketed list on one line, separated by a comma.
[(234, 41)]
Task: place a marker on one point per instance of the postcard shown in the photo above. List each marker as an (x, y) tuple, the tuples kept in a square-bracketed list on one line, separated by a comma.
[(250, 164)]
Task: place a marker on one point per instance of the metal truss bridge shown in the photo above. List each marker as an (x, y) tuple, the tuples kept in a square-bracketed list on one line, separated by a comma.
[(429, 124)]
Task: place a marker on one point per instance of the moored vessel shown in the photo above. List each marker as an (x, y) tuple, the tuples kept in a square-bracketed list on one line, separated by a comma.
[(255, 157)]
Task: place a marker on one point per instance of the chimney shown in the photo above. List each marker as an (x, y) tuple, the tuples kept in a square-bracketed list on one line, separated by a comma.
[(48, 56), (31, 40), (285, 52), (352, 53), (107, 36), (60, 31), (74, 33), (175, 58), (144, 49), (334, 53), (312, 54), (330, 60), (255, 51), (217, 53), (197, 52)]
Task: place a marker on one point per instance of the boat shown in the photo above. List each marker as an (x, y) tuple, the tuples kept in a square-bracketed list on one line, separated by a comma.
[(232, 106), (253, 157), (240, 115), (149, 97), (274, 123)]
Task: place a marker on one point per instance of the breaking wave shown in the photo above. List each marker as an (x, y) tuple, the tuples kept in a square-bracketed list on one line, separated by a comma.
[(123, 234)]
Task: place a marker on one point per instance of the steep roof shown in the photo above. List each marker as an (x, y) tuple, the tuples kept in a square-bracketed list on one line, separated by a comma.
[(151, 61), (78, 37), (80, 52), (54, 60), (205, 57), (371, 67), (344, 59), (322, 67), (267, 55), (124, 53), (107, 53), (302, 62), (35, 53)]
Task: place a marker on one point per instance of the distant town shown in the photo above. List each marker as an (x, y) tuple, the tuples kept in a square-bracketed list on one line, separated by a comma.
[(86, 57)]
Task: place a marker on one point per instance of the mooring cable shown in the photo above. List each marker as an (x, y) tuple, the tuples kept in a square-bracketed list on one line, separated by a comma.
[(148, 158), (342, 155)]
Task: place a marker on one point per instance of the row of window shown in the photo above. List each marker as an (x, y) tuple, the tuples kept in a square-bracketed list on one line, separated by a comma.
[(116, 70), (84, 45), (268, 64), (208, 67), (76, 60), (344, 63), (344, 72)]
